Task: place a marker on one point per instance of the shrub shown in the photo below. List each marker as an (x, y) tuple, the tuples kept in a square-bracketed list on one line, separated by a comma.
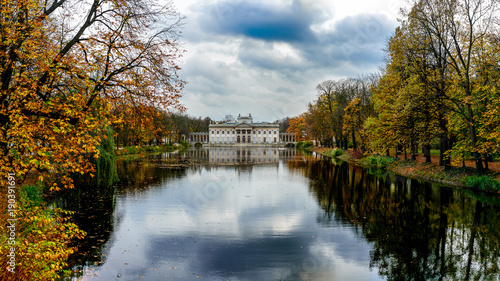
[(338, 152), (153, 149), (130, 150), (482, 183), (380, 162), (303, 144), (184, 143)]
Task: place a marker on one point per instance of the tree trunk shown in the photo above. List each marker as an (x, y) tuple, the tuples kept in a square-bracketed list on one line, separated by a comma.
[(412, 149), (353, 139), (427, 152), (443, 141), (473, 136)]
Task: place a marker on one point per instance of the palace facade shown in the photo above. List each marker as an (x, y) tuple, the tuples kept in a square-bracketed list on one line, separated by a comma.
[(244, 130)]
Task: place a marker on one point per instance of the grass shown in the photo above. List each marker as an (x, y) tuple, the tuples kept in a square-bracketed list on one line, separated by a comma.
[(303, 144)]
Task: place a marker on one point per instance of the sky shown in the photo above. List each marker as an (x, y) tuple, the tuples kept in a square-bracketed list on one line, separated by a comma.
[(265, 57)]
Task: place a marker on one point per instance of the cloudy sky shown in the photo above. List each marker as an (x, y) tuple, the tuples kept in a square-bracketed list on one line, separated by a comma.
[(265, 57)]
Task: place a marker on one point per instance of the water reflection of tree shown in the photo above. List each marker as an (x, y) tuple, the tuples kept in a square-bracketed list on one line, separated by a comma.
[(93, 213), (95, 207), (419, 231)]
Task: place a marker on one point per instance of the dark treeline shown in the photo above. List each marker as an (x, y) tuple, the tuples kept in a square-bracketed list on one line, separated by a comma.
[(159, 127)]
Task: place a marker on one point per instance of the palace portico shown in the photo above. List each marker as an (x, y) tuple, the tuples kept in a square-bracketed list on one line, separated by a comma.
[(242, 131)]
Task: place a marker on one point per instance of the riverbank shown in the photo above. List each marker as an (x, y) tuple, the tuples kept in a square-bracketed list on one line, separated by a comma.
[(460, 177), (130, 153)]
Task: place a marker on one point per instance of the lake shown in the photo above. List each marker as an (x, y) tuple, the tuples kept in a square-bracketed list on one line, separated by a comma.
[(237, 213)]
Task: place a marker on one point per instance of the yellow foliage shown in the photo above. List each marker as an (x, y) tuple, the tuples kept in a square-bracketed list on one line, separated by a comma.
[(42, 241)]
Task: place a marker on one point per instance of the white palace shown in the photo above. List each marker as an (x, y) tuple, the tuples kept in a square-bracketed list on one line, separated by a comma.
[(242, 131)]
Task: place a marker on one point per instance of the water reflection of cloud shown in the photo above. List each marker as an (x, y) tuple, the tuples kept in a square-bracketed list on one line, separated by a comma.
[(257, 227), (227, 209)]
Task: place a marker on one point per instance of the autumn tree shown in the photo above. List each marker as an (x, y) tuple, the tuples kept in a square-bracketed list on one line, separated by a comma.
[(415, 89), (462, 28), (298, 127), (319, 124), (327, 112), (65, 64), (334, 96), (438, 81)]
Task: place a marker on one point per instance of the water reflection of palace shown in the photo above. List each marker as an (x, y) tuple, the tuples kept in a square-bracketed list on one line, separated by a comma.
[(241, 155)]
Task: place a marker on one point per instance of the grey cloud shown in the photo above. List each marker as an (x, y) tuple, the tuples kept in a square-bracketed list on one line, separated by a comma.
[(286, 24), (216, 71), (356, 40), (262, 55), (249, 33)]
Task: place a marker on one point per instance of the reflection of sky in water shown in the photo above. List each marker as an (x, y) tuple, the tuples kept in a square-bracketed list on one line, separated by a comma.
[(229, 223)]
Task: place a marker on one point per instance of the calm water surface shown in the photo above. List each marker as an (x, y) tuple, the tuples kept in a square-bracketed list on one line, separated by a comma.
[(275, 214)]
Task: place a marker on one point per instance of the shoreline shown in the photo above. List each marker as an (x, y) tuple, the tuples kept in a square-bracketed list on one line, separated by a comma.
[(455, 177)]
